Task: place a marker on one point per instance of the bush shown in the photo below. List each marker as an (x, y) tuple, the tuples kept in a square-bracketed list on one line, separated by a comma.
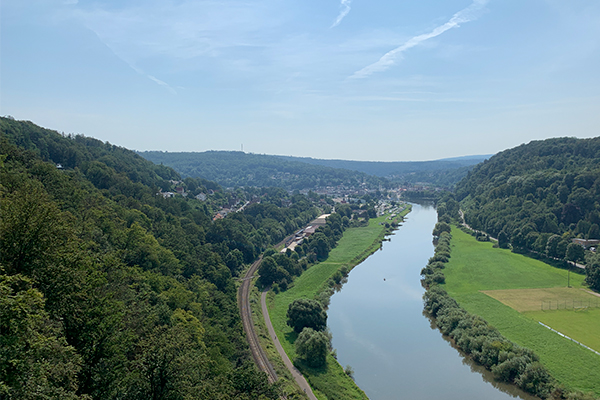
[(536, 380), (510, 369)]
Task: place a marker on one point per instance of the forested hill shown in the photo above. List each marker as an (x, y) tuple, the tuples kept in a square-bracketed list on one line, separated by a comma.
[(110, 290), (398, 169), (537, 196), (238, 169)]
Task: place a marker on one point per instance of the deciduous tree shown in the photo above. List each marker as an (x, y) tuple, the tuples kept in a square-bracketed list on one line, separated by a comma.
[(304, 313), (312, 346)]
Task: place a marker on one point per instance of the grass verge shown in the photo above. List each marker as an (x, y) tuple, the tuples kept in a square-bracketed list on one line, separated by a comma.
[(476, 266), (329, 382)]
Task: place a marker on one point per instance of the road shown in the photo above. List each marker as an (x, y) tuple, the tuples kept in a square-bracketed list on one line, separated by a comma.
[(300, 380)]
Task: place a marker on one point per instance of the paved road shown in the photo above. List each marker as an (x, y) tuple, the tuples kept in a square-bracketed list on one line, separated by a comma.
[(300, 380)]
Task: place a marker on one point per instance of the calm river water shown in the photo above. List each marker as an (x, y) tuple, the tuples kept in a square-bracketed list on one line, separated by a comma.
[(379, 328)]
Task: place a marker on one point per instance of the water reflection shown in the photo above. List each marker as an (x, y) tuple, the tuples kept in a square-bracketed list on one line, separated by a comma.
[(379, 329), (487, 376)]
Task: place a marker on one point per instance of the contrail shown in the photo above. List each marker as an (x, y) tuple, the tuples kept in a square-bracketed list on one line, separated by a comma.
[(470, 13), (161, 83), (346, 9)]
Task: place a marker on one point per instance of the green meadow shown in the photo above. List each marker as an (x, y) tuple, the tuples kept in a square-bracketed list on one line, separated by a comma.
[(329, 382), (477, 266)]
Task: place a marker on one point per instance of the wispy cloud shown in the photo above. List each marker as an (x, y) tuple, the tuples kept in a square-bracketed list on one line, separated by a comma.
[(345, 5), (180, 36), (470, 13)]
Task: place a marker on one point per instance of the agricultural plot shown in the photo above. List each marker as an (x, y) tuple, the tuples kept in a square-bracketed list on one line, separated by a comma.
[(546, 299)]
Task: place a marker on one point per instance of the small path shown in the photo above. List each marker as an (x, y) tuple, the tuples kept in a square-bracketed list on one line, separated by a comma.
[(590, 292), (300, 380), (462, 216), (464, 223)]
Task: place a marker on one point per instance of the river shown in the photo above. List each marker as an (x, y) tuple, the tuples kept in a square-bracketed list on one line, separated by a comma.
[(379, 328)]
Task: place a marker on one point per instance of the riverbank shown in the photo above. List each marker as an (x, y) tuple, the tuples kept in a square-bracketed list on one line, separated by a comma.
[(357, 244), (475, 267)]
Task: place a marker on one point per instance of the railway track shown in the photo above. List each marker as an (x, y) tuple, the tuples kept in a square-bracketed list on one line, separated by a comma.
[(259, 355)]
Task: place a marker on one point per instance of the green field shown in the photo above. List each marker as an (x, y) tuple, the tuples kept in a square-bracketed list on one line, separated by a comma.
[(357, 243), (581, 325), (477, 266)]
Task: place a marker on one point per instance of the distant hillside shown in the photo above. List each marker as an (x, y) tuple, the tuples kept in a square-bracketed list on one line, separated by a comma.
[(235, 168), (394, 169), (537, 196)]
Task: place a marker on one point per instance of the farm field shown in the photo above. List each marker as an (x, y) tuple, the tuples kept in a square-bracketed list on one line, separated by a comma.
[(546, 298), (476, 268)]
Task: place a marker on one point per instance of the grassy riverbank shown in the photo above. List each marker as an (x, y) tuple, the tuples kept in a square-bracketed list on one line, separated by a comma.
[(476, 266), (329, 382)]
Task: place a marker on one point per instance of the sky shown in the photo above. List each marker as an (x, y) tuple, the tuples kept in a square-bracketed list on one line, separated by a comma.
[(383, 80)]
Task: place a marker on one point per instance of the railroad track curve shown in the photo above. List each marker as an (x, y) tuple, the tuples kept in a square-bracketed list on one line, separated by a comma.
[(258, 353)]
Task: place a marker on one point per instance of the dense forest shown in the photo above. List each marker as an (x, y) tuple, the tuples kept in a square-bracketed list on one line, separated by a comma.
[(108, 289), (441, 173), (392, 168), (538, 197), (235, 168)]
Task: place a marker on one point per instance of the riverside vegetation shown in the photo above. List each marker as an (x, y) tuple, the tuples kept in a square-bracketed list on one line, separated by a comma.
[(482, 342), (318, 282)]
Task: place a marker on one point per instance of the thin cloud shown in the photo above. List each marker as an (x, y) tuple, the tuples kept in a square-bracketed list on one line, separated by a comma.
[(132, 65), (345, 4), (161, 83), (470, 13)]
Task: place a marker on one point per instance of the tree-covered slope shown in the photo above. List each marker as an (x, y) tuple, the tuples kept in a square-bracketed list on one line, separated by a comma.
[(110, 290), (395, 169), (235, 169), (537, 196)]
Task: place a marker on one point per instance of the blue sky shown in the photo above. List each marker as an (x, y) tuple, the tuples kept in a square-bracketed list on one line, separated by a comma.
[(349, 79)]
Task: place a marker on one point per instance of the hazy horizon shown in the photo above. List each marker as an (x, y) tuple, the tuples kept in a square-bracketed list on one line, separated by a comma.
[(468, 156)]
